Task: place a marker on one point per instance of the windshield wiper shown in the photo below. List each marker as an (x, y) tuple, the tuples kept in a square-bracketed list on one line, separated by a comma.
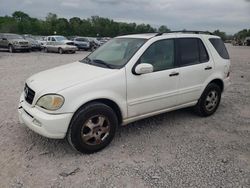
[(98, 61), (86, 60)]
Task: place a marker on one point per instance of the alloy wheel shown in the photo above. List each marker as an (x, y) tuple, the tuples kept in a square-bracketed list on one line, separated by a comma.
[(95, 130)]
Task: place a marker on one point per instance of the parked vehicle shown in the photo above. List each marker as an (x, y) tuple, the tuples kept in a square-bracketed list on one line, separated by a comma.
[(103, 40), (13, 42), (82, 43), (41, 40), (247, 41), (86, 43), (94, 43), (59, 44), (34, 45), (128, 78)]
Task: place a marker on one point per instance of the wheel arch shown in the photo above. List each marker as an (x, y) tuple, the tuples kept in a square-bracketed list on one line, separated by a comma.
[(218, 82), (107, 102)]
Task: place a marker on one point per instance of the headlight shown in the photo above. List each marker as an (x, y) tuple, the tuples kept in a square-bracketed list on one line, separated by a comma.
[(50, 102)]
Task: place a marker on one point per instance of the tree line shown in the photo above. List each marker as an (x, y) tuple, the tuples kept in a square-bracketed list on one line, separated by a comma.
[(21, 23)]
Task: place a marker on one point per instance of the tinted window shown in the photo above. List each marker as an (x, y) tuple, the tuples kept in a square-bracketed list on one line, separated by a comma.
[(220, 47), (53, 39), (189, 50), (203, 52), (160, 54)]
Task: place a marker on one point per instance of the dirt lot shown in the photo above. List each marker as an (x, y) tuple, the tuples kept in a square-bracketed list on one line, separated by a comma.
[(177, 149)]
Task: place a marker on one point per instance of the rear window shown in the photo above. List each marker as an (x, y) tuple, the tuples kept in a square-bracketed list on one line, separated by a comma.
[(220, 47)]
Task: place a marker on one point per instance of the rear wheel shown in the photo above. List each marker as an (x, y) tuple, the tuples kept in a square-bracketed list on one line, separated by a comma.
[(92, 128), (209, 100)]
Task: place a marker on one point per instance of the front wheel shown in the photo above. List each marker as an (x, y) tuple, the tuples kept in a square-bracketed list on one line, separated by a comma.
[(92, 128), (60, 50), (209, 100)]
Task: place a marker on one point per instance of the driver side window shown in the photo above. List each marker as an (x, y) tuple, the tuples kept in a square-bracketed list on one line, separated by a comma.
[(160, 54)]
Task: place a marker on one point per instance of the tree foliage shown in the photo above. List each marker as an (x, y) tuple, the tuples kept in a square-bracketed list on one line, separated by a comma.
[(22, 23), (241, 35)]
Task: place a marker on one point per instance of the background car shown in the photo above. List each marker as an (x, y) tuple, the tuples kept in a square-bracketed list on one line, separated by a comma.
[(13, 42), (82, 43), (34, 45), (41, 40), (59, 44), (247, 41)]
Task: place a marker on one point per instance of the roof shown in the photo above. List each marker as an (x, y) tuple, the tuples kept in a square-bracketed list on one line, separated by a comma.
[(142, 36), (150, 35)]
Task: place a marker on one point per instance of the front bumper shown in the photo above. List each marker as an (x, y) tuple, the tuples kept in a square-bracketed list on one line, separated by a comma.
[(21, 47), (49, 125)]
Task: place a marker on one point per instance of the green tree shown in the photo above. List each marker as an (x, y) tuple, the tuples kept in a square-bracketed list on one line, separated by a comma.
[(163, 29), (220, 34)]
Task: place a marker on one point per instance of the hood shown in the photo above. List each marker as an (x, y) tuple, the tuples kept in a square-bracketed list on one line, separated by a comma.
[(62, 77), (69, 42)]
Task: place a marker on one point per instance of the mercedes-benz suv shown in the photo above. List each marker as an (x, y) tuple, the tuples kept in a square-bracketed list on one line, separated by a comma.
[(128, 78)]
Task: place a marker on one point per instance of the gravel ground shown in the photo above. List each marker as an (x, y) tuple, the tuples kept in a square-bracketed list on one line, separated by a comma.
[(176, 149)]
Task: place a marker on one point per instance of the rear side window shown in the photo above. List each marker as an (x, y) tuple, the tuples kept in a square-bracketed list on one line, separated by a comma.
[(203, 52), (192, 51), (220, 47)]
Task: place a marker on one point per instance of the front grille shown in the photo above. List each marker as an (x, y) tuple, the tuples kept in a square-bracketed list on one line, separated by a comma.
[(29, 94)]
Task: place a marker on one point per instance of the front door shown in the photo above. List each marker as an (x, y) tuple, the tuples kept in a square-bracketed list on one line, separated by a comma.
[(154, 91)]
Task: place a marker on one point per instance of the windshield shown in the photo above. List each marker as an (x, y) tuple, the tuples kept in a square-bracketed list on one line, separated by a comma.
[(14, 36), (115, 53), (60, 38)]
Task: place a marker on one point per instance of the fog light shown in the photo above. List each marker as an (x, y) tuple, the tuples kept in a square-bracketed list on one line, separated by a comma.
[(36, 122)]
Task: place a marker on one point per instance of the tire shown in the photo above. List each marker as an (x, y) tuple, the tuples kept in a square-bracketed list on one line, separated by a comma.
[(92, 128), (209, 100), (45, 50), (60, 50), (11, 49)]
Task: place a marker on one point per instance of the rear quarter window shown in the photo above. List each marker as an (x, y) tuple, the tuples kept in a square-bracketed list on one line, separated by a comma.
[(220, 47)]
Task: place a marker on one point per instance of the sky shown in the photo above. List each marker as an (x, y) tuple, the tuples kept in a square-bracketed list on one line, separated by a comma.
[(226, 15)]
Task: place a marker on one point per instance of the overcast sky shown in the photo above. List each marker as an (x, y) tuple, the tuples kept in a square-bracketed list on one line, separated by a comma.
[(227, 15)]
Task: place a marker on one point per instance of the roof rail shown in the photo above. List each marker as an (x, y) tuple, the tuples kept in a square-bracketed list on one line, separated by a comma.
[(185, 31)]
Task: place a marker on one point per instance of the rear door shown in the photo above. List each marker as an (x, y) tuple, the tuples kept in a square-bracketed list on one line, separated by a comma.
[(195, 68)]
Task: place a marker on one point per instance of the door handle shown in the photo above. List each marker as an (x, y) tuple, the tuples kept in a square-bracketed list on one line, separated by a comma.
[(208, 68), (174, 74)]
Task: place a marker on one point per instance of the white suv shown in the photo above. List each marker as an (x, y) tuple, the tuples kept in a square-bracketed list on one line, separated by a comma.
[(128, 78)]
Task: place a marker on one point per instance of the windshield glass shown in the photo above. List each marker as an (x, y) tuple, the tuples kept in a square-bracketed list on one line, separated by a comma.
[(116, 52), (60, 38), (14, 36)]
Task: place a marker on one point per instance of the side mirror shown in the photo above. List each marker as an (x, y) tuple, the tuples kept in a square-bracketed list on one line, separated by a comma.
[(144, 68)]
